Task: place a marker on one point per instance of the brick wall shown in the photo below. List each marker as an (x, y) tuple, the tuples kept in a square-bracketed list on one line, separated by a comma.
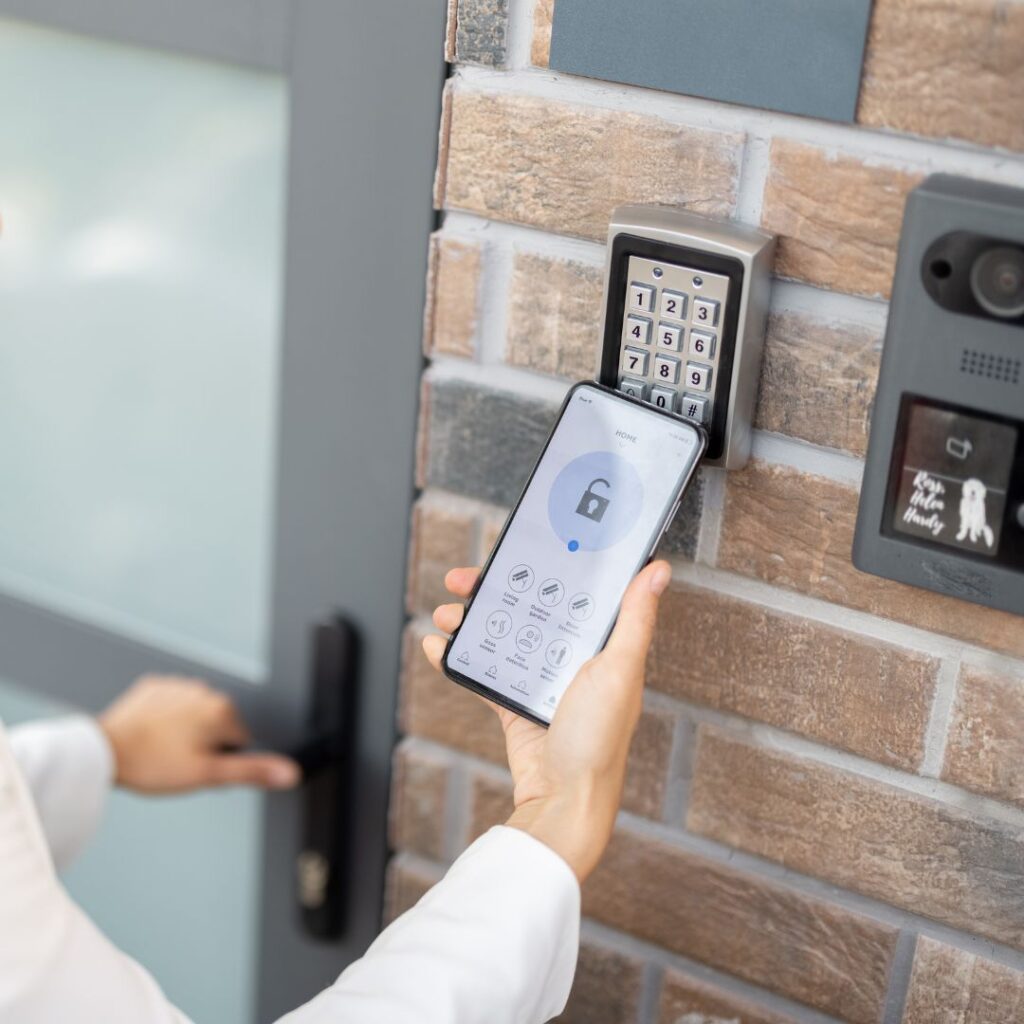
[(824, 814)]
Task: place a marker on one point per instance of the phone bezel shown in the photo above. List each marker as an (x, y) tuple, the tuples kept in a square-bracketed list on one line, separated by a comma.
[(663, 521)]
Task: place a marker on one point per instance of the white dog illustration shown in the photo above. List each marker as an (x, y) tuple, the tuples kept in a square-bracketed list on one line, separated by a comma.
[(973, 521)]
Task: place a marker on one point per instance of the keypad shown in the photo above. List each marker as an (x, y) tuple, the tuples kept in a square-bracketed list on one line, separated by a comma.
[(671, 336)]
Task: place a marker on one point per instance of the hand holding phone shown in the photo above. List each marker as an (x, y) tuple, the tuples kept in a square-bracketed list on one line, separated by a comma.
[(568, 779), (603, 492)]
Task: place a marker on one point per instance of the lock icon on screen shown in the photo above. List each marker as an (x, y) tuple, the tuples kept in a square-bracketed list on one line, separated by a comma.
[(592, 505)]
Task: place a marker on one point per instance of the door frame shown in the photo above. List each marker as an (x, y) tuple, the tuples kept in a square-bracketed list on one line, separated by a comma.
[(365, 83)]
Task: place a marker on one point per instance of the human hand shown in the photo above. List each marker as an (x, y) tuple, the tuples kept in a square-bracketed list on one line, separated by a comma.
[(568, 778), (171, 735)]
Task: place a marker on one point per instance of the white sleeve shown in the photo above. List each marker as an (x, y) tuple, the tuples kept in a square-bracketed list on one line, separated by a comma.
[(494, 942), (55, 965), (69, 768)]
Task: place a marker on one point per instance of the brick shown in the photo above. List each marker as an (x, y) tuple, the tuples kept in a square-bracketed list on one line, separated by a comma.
[(482, 442), (795, 530), (451, 22), (946, 68), (606, 989), (540, 44), (952, 986), (563, 166), (419, 795), (818, 381), (554, 315), (985, 749), (777, 937), (453, 286), (481, 35), (408, 881), (437, 709), (919, 854), (444, 536), (685, 1000), (851, 692), (837, 218), (490, 803)]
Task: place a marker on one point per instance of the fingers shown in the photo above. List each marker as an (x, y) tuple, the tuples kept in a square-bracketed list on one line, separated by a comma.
[(448, 617), (433, 648), (226, 724), (265, 771), (639, 613), (460, 582)]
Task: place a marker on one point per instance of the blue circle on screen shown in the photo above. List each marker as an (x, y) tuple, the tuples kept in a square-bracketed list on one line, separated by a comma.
[(605, 526)]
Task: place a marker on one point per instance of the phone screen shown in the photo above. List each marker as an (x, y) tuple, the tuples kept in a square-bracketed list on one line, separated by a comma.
[(597, 502)]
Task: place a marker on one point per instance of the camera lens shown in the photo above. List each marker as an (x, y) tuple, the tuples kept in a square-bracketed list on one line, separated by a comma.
[(997, 281)]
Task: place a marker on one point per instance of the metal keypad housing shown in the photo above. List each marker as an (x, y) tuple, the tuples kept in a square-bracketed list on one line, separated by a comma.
[(670, 336), (686, 298)]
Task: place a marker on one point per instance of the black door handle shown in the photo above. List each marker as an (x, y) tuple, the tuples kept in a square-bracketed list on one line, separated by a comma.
[(327, 760)]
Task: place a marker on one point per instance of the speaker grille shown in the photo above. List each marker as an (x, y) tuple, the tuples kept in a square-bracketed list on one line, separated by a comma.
[(985, 364)]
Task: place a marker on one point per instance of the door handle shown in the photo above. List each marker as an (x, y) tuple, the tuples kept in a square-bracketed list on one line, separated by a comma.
[(326, 760)]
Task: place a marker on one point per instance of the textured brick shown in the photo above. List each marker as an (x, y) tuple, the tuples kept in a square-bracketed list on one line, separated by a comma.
[(851, 692), (490, 803), (784, 940), (795, 530), (419, 794), (606, 989), (481, 35), (444, 532), (837, 218), (540, 44), (563, 167), (479, 441), (684, 1000), (985, 750), (408, 881), (451, 23), (818, 381), (554, 315), (482, 442), (435, 708), (948, 68), (951, 986), (453, 284), (909, 851)]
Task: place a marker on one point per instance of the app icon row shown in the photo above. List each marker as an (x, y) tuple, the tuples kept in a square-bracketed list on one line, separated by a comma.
[(551, 592)]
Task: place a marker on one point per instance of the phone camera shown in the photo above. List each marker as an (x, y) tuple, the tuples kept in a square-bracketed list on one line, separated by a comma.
[(997, 282)]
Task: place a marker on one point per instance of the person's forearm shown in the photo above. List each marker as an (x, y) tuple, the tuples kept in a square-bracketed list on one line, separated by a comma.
[(69, 768)]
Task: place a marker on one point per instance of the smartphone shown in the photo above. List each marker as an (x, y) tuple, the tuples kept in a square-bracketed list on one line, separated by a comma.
[(604, 490)]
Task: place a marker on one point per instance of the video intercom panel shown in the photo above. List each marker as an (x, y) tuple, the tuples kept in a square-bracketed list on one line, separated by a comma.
[(685, 304), (942, 501)]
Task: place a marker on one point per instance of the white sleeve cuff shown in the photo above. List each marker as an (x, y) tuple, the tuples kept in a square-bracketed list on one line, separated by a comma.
[(69, 768)]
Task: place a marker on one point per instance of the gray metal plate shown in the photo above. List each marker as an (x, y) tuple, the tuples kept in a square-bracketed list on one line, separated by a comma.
[(796, 56)]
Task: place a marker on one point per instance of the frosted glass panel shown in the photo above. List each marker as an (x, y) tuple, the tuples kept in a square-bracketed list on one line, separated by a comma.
[(142, 197), (174, 883)]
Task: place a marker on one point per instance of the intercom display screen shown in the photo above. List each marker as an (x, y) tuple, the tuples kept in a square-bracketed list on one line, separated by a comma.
[(600, 494), (954, 478)]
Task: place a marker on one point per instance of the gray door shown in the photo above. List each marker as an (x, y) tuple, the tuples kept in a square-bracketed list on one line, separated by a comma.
[(215, 217)]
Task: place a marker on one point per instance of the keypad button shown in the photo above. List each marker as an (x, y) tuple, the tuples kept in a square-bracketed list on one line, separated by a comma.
[(666, 370), (638, 330), (698, 377), (673, 305), (663, 398), (696, 407), (634, 360), (705, 312), (631, 387), (702, 343), (641, 296), (670, 337)]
